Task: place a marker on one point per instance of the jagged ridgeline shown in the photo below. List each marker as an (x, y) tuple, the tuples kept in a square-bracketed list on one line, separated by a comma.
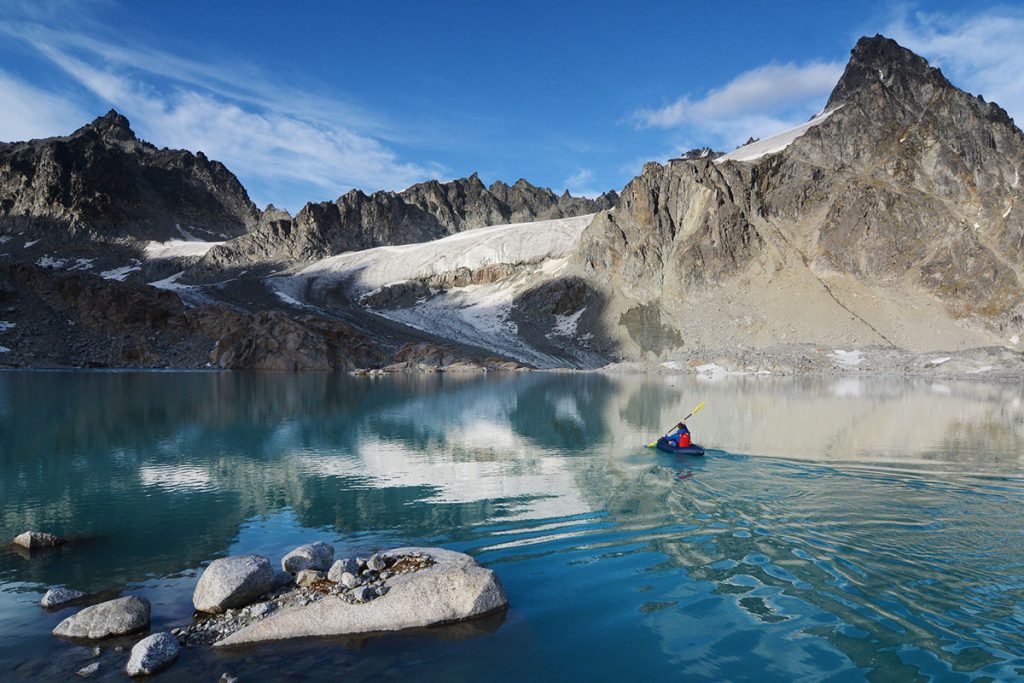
[(892, 219), (355, 221), (102, 182)]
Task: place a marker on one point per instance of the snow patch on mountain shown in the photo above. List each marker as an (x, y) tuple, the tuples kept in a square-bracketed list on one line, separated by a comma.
[(775, 143), (178, 249), (515, 244)]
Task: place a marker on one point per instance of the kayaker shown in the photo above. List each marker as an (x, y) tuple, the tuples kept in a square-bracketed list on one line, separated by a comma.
[(680, 438)]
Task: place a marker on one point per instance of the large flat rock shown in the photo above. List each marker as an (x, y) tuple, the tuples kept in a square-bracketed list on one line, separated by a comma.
[(455, 588), (112, 618)]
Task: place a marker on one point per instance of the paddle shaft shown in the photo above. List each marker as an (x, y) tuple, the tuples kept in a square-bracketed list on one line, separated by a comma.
[(692, 413)]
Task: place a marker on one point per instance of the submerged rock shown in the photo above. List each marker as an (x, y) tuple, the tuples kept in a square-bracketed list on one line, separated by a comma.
[(152, 654), (310, 556), (34, 540), (61, 597), (89, 670), (233, 582), (430, 586), (112, 618)]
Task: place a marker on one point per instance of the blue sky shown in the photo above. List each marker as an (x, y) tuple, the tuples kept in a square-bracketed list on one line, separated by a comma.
[(305, 100)]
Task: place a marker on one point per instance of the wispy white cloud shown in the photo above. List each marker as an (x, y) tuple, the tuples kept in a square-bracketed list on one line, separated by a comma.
[(758, 102), (286, 144), (29, 112), (980, 52), (768, 88)]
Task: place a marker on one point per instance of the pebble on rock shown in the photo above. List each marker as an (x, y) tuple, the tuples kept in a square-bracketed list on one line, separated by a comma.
[(348, 580), (364, 594), (152, 654), (317, 555), (308, 577), (60, 596), (347, 565), (376, 563), (33, 540), (112, 618)]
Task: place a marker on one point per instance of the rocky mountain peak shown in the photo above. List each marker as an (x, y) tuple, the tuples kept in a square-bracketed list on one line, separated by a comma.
[(878, 61), (112, 127)]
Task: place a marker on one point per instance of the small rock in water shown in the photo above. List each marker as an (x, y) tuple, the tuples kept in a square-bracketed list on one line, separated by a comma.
[(96, 650), (33, 540), (60, 596), (153, 653), (112, 618), (308, 577), (348, 565), (89, 670), (310, 556)]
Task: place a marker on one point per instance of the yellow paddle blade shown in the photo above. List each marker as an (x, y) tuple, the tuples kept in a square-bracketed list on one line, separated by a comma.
[(651, 444), (697, 408)]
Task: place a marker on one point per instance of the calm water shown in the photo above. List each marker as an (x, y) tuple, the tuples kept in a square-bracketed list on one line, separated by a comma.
[(847, 530)]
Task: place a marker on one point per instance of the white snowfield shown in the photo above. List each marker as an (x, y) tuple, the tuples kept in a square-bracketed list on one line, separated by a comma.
[(775, 143), (475, 314), (178, 248), (515, 244)]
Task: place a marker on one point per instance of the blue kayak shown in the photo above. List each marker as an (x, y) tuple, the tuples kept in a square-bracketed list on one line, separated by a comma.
[(692, 449)]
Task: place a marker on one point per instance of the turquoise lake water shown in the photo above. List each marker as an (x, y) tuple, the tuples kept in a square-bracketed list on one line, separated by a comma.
[(845, 530)]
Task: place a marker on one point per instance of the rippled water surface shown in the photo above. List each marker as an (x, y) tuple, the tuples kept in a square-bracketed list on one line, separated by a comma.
[(845, 529)]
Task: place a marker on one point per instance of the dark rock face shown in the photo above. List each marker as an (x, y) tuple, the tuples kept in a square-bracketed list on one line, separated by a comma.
[(355, 221), (103, 182)]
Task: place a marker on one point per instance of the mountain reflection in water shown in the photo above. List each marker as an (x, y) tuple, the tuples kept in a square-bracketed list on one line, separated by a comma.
[(844, 527)]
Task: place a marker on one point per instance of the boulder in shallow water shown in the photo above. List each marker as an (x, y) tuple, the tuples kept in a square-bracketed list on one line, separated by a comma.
[(34, 540), (60, 596), (233, 582), (153, 653), (444, 587), (310, 556), (112, 618)]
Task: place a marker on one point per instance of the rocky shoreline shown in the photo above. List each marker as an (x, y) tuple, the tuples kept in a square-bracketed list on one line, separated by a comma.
[(241, 599), (991, 364)]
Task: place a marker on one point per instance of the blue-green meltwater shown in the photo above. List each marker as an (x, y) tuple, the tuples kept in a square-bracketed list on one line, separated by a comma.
[(840, 530)]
